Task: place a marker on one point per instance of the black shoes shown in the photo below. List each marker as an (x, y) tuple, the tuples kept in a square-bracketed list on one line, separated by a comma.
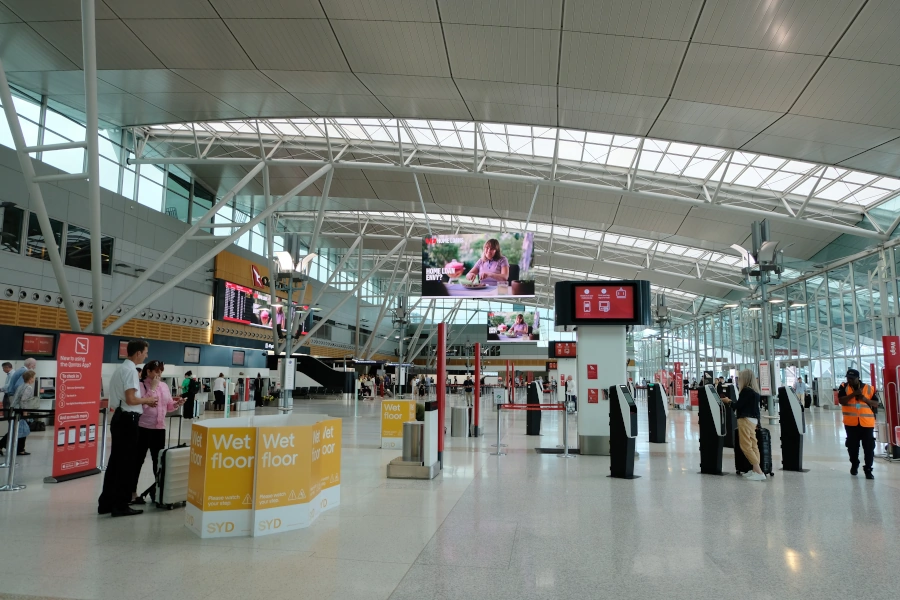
[(869, 475), (103, 511), (138, 500), (127, 512), (23, 453), (854, 470)]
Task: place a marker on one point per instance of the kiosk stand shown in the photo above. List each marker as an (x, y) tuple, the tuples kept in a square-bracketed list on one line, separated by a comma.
[(657, 412), (533, 417), (793, 427), (712, 431), (622, 432), (730, 418)]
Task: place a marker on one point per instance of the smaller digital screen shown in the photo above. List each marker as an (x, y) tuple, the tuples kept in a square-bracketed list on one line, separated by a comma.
[(604, 302), (191, 355), (38, 344), (237, 357), (562, 349), (123, 349), (513, 326), (626, 394), (240, 304)]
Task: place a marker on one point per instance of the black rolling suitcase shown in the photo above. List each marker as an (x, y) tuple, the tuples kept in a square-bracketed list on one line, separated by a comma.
[(764, 443)]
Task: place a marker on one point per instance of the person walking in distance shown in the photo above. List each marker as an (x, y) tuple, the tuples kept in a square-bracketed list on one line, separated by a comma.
[(858, 405), (747, 409), (219, 392), (128, 405)]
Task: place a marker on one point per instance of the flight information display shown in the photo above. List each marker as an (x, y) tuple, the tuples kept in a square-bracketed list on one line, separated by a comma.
[(240, 304)]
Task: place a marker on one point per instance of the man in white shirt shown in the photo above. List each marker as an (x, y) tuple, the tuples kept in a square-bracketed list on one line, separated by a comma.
[(219, 392), (126, 402)]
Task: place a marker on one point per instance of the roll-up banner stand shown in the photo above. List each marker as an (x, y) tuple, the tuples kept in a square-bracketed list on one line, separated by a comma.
[(79, 367)]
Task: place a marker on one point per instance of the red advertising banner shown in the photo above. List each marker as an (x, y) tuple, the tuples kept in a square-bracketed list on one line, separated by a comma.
[(891, 381), (679, 385), (79, 364), (872, 374), (604, 302), (695, 397), (593, 396), (592, 371)]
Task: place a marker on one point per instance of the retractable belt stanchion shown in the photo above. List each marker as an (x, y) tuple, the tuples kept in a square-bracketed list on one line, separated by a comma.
[(498, 445), (105, 412), (565, 453), (10, 447), (11, 442)]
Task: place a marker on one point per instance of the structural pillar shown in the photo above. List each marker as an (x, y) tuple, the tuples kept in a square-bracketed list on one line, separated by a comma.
[(601, 364), (441, 387), (476, 411)]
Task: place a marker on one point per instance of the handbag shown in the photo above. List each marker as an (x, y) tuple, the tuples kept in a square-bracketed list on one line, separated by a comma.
[(24, 429)]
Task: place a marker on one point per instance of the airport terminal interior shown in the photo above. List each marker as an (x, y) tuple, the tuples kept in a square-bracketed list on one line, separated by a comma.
[(449, 299)]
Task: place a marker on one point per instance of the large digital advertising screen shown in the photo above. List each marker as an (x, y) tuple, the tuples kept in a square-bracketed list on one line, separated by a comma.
[(240, 304), (478, 265), (514, 326)]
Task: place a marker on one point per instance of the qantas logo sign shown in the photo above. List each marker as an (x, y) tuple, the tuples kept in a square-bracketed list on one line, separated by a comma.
[(255, 276)]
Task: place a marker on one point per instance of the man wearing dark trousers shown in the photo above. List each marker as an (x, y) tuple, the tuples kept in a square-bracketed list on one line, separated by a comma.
[(126, 402), (858, 405)]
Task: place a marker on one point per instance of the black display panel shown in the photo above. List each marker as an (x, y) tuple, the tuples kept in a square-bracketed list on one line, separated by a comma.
[(561, 350), (611, 302)]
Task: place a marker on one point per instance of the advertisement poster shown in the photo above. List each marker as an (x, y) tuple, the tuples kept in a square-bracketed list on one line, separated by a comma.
[(593, 396), (394, 414), (679, 385), (79, 364), (765, 380), (477, 265), (515, 326), (891, 381), (592, 371), (600, 302)]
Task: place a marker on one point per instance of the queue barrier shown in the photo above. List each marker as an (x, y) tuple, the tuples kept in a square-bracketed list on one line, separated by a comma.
[(550, 407), (14, 416)]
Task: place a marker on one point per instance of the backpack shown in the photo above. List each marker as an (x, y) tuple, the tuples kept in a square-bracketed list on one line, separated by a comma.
[(194, 387)]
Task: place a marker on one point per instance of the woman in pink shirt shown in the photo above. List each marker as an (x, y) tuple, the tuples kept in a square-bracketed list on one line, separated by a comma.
[(152, 424)]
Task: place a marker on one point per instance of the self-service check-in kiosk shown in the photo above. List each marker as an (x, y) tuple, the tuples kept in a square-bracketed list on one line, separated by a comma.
[(657, 412), (730, 417), (712, 431), (622, 432), (793, 427)]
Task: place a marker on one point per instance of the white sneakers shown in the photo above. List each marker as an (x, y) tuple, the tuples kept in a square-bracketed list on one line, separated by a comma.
[(755, 476)]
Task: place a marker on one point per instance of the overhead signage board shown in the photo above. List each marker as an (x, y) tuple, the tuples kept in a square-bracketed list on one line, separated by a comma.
[(562, 349), (624, 302)]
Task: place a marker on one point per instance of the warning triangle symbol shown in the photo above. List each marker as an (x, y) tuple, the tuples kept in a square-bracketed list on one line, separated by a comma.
[(301, 495), (292, 496), (247, 500)]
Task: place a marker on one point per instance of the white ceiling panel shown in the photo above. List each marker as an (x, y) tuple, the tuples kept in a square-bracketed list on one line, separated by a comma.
[(268, 9), (266, 104), (656, 19), (801, 26), (745, 78), (712, 124), (191, 43), (116, 106), (507, 54), (823, 140), (344, 105), (117, 46), (858, 92), (507, 93), (54, 10), (393, 48), (605, 111), (24, 50), (8, 16), (162, 9), (426, 108), (529, 14), (155, 80), (610, 63), (511, 196), (351, 188), (450, 192), (883, 159), (319, 82), (209, 115), (410, 86), (715, 226), (873, 35), (404, 191), (800, 241), (222, 80), (289, 44), (57, 82), (381, 10), (183, 101), (647, 220)]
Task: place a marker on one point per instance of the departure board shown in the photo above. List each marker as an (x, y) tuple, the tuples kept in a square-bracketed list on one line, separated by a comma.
[(238, 304)]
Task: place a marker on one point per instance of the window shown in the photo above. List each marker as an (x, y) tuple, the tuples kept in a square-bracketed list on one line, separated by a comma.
[(178, 192), (11, 219), (203, 201), (35, 245), (78, 250)]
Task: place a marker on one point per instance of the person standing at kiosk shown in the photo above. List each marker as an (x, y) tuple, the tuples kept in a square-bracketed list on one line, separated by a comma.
[(858, 404), (747, 408)]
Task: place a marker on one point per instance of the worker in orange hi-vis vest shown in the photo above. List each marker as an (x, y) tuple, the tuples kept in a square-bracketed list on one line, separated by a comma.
[(858, 405)]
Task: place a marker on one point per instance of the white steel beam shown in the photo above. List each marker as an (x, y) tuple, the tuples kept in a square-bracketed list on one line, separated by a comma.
[(450, 318), (37, 199)]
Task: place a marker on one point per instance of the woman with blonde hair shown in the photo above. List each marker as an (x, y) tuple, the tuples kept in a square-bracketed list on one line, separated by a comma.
[(747, 409), (491, 265)]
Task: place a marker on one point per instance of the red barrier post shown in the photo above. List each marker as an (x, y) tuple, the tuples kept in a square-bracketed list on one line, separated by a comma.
[(476, 428), (441, 386)]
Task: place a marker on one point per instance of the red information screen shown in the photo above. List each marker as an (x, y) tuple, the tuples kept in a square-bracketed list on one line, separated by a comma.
[(604, 302), (38, 344), (564, 349)]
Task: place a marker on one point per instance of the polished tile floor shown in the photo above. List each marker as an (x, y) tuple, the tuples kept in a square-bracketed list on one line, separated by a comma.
[(519, 526)]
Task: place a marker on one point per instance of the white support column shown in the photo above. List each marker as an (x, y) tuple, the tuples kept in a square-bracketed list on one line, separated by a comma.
[(37, 199), (388, 297), (91, 133)]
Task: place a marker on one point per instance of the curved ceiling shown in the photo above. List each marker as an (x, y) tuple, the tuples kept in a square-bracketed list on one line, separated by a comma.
[(810, 80)]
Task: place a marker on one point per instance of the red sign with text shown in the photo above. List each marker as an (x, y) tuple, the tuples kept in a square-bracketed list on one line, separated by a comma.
[(79, 364), (679, 384), (593, 396), (37, 344), (563, 349), (592, 371), (891, 375), (602, 302)]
